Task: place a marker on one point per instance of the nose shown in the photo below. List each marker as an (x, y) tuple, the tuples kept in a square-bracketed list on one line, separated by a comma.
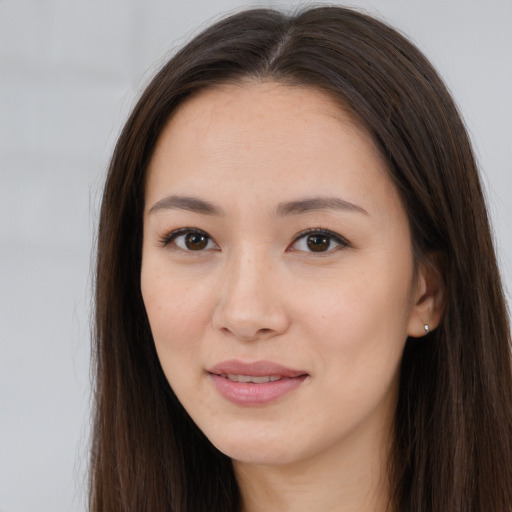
[(250, 305)]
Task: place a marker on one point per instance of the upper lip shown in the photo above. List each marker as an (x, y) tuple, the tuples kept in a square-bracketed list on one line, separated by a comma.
[(255, 369)]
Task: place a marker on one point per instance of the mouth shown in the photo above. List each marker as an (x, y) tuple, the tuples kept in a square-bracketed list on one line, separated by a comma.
[(254, 384), (251, 378), (240, 371)]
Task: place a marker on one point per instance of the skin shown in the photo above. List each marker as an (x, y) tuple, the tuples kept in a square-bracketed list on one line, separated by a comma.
[(256, 291)]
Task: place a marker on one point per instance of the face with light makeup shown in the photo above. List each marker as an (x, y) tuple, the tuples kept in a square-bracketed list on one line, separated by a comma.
[(272, 232)]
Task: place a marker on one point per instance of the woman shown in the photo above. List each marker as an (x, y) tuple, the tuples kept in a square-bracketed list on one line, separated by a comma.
[(297, 303)]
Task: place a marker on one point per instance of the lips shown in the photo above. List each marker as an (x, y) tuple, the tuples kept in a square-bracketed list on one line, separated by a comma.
[(256, 369), (256, 383)]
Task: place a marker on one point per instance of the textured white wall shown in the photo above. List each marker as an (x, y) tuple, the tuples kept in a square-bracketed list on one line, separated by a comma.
[(69, 73)]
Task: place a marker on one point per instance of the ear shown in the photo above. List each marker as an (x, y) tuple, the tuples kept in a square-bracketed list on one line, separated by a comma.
[(428, 299)]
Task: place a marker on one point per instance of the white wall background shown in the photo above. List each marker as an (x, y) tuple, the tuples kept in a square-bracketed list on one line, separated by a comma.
[(69, 73)]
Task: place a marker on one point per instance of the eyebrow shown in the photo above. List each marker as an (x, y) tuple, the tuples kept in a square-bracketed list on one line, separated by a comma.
[(298, 207), (191, 204), (314, 204)]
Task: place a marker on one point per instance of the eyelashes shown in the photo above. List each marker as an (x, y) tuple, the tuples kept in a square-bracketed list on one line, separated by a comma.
[(189, 239), (317, 241)]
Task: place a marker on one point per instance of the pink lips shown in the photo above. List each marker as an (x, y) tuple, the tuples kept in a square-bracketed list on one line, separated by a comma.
[(282, 381)]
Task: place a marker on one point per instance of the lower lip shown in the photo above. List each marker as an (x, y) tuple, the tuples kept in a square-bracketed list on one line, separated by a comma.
[(250, 393)]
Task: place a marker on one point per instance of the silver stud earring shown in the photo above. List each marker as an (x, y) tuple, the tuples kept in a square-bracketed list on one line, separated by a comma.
[(427, 329)]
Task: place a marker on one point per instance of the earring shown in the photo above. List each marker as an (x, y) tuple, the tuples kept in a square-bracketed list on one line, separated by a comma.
[(427, 329)]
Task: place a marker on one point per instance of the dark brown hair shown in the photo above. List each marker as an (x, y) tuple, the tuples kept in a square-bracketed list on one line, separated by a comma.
[(453, 429)]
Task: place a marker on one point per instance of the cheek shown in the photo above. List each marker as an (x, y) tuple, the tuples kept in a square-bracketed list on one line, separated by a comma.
[(359, 319), (177, 311), (359, 334), (178, 314)]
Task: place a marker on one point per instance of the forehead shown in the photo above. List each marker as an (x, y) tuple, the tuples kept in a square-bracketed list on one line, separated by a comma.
[(258, 137), (275, 108)]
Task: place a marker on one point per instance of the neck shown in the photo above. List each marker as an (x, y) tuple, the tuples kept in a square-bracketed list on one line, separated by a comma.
[(352, 477)]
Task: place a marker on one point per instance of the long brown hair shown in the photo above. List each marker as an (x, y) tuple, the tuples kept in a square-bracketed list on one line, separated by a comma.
[(453, 428)]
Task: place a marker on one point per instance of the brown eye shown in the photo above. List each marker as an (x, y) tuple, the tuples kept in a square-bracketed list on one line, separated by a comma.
[(196, 241), (190, 240), (318, 243)]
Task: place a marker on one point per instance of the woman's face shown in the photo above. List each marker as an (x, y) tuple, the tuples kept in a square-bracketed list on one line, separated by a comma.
[(277, 273)]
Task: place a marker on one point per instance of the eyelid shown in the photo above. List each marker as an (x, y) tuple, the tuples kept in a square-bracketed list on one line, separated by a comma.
[(342, 242), (336, 237), (168, 238)]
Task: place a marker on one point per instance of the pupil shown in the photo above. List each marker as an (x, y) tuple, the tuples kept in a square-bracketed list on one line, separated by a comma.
[(196, 241), (318, 243)]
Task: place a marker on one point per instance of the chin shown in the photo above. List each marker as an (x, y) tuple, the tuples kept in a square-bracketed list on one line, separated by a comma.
[(264, 449), (258, 455)]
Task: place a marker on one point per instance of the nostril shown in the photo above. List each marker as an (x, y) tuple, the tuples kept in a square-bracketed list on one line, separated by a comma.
[(247, 335), (247, 318)]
